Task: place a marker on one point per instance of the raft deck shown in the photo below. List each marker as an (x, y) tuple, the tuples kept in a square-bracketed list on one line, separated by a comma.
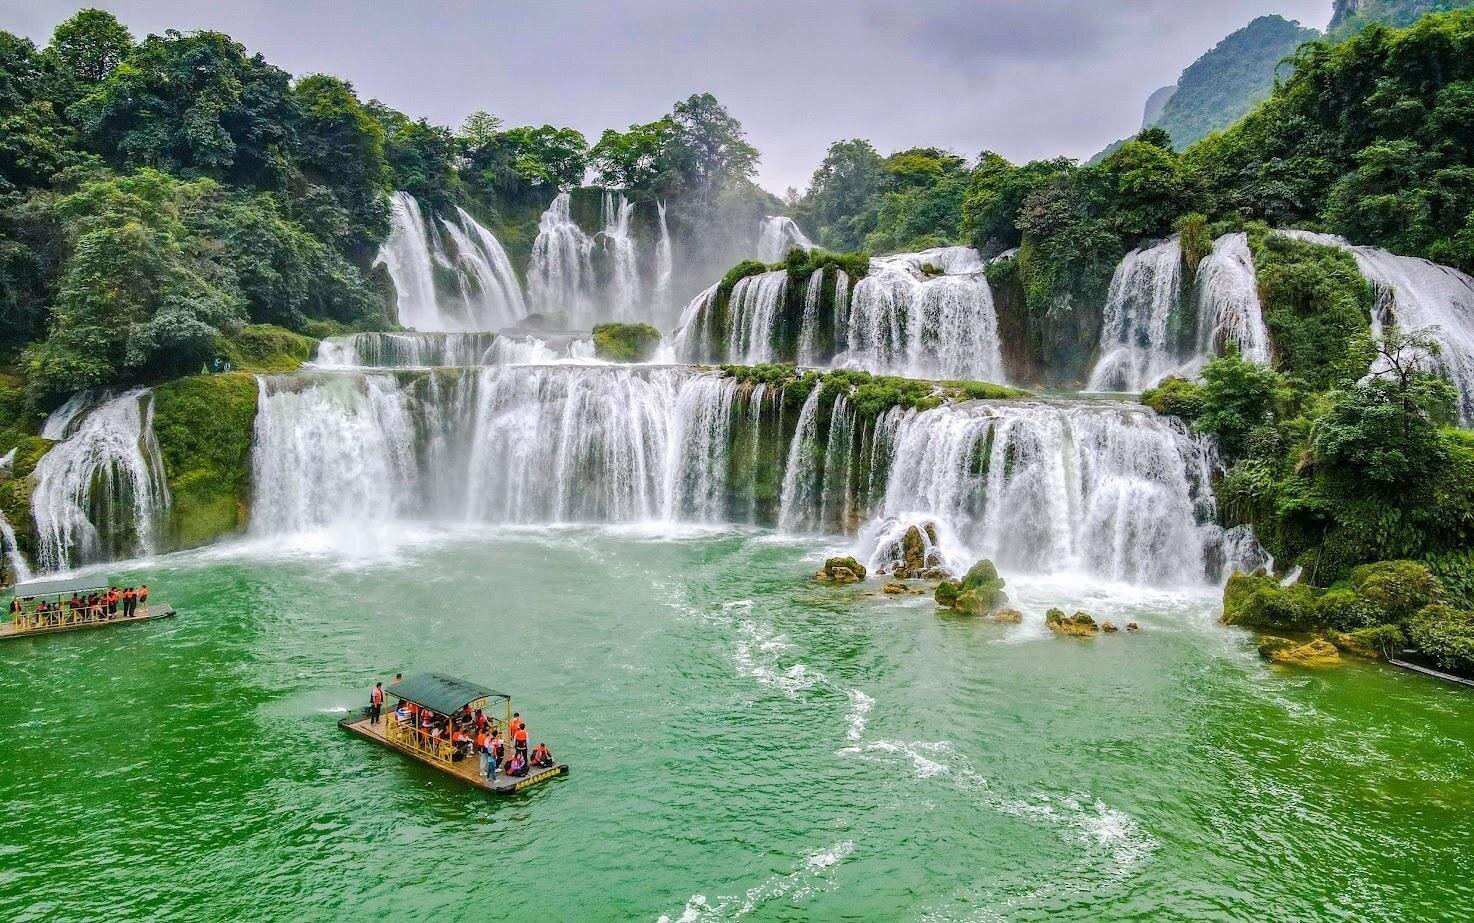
[(467, 770), (146, 614)]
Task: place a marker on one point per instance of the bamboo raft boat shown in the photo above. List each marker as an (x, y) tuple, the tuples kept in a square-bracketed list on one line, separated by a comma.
[(446, 695), (28, 622)]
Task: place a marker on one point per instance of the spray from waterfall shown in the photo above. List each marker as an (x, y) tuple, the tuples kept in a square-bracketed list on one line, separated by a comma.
[(561, 277), (664, 265), (776, 236)]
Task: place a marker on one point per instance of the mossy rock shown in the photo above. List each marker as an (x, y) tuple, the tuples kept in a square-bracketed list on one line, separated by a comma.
[(1259, 602), (842, 570), (1369, 642), (1317, 653), (266, 348), (947, 592), (1079, 625), (625, 342), (1007, 617), (204, 425)]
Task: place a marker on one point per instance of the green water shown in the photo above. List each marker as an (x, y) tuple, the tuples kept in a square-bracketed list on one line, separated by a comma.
[(743, 743)]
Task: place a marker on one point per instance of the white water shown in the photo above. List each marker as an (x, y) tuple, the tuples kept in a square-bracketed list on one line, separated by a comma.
[(497, 445), (664, 266), (620, 254), (751, 314), (486, 293), (447, 350), (904, 320), (20, 571), (561, 276), (776, 236), (1228, 302), (1135, 339), (101, 493), (1416, 294), (1105, 489)]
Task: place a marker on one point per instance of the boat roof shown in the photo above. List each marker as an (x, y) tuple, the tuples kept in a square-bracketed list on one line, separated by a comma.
[(63, 587), (445, 694)]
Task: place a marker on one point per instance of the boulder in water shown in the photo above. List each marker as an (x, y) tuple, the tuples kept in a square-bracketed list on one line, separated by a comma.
[(979, 593), (895, 588), (1318, 653), (1079, 625), (914, 555), (1008, 616), (1108, 627), (842, 570), (1132, 626)]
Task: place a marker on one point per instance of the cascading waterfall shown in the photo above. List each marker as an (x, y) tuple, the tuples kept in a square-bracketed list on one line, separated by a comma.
[(1416, 294), (1229, 311), (809, 324), (561, 276), (101, 492), (619, 249), (1105, 489), (924, 315), (487, 293), (664, 265), (496, 445), (695, 336), (776, 236), (751, 314), (20, 571), (1136, 344)]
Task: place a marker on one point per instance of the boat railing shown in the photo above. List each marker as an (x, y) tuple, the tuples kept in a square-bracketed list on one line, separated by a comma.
[(66, 617), (420, 739)]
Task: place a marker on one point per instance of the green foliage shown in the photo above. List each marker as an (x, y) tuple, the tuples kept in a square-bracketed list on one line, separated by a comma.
[(1225, 83), (1175, 397), (981, 391), (1370, 137), (1316, 306), (419, 157), (842, 192), (739, 272), (266, 348), (342, 155), (1238, 397), (1197, 243), (84, 51), (639, 158), (1351, 16), (625, 342), (1262, 604), (996, 193), (204, 425), (1446, 635), (526, 165)]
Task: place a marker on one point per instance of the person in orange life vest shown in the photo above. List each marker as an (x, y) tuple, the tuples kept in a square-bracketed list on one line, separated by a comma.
[(480, 720), (376, 703), (519, 741), (541, 757)]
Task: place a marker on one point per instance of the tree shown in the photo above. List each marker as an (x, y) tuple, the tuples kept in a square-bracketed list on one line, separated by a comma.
[(341, 150), (527, 166), (479, 129), (1237, 397), (996, 192), (84, 51), (844, 191), (640, 158), (709, 149)]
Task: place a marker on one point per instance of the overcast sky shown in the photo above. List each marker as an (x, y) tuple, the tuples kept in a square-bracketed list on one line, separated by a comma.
[(1026, 78)]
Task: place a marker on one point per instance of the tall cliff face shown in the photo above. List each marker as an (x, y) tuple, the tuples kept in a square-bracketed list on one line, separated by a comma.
[(1351, 16)]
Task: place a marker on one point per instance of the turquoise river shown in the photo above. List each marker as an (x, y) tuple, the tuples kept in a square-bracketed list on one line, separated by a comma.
[(744, 744)]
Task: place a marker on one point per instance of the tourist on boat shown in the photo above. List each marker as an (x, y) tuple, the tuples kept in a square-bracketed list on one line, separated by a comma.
[(460, 741), (517, 766), (376, 703), (519, 740), (112, 603), (490, 751), (16, 610), (541, 758), (498, 746), (143, 595), (402, 713), (127, 599), (480, 720)]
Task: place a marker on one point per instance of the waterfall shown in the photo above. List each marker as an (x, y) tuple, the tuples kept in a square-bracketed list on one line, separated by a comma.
[(532, 444), (924, 315), (20, 571), (561, 275), (59, 424), (1416, 294), (486, 294), (693, 339), (1228, 302), (776, 236), (101, 492), (619, 249), (664, 265), (1136, 339), (808, 325), (751, 315), (1109, 490), (801, 486)]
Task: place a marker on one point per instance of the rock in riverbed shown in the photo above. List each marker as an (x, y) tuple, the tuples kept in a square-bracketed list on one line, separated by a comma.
[(1079, 625), (841, 571)]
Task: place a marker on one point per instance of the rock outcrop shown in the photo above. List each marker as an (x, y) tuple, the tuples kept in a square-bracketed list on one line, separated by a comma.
[(1317, 653), (1079, 625), (979, 593), (841, 571), (914, 555)]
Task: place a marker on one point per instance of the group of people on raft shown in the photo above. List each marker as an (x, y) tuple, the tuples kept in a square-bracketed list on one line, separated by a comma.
[(96, 606), (469, 733)]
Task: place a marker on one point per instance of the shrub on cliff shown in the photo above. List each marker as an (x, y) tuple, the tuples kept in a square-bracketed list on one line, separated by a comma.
[(204, 426), (1259, 602)]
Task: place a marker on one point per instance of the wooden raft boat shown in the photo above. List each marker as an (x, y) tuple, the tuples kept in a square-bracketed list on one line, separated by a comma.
[(28, 622), (446, 695)]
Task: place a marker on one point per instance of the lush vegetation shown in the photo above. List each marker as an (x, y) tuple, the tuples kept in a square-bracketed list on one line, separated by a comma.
[(204, 425), (1351, 16), (625, 342), (1222, 86), (870, 394)]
